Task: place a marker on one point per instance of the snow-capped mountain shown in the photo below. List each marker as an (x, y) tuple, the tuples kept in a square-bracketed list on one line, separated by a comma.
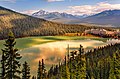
[(108, 17), (41, 12), (57, 17)]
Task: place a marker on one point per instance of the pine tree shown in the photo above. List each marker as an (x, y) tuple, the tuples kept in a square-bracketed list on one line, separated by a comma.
[(88, 73), (39, 73), (12, 58), (67, 72), (68, 56), (115, 66), (72, 64), (80, 64), (81, 51), (43, 70), (51, 71), (3, 64), (26, 71), (117, 61)]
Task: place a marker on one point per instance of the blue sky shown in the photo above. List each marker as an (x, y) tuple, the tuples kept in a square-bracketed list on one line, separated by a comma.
[(78, 7)]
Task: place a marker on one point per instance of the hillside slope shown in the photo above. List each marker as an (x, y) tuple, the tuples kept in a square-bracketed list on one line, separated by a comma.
[(24, 25)]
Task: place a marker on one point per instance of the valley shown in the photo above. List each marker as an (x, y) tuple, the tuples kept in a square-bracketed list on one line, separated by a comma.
[(40, 45)]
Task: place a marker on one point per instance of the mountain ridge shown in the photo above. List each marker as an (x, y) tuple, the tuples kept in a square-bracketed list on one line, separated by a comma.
[(57, 16), (107, 17)]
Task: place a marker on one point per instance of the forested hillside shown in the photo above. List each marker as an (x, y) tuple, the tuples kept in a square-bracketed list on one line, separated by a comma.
[(24, 25), (100, 63)]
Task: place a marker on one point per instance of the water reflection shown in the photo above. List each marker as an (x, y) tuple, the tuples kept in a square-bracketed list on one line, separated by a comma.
[(54, 52)]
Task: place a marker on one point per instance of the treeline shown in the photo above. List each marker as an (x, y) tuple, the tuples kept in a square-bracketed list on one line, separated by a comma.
[(24, 25), (99, 63)]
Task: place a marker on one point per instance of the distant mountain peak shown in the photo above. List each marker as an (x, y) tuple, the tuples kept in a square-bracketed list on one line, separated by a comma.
[(57, 16), (115, 12), (107, 17), (43, 12), (40, 12)]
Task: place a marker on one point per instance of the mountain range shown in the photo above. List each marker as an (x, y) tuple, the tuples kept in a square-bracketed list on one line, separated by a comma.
[(108, 17), (57, 16)]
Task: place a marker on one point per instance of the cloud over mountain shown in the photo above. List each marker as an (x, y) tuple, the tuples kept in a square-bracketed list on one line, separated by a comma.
[(29, 12), (84, 9), (92, 9)]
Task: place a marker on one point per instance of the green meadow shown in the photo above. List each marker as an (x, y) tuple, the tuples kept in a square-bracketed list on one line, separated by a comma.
[(32, 41)]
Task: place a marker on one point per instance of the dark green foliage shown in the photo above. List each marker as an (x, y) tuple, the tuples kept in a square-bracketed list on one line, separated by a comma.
[(3, 64), (44, 74), (115, 65), (10, 59), (26, 71), (66, 68), (41, 74), (51, 72), (99, 63)]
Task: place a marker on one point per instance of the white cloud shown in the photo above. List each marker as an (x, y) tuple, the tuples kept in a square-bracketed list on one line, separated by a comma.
[(54, 0), (8, 0), (29, 12), (92, 9), (83, 9)]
